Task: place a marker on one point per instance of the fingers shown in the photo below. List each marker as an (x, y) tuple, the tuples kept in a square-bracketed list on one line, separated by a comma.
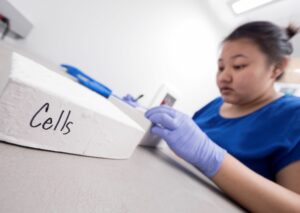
[(163, 116), (160, 131), (163, 120), (161, 109), (128, 98)]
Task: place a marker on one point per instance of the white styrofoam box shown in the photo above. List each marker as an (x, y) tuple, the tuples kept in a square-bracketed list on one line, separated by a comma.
[(137, 114), (42, 109)]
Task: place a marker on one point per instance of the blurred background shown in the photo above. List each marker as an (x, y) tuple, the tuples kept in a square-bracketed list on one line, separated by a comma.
[(140, 47)]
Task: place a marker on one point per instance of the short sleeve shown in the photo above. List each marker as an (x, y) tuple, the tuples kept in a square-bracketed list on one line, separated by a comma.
[(290, 150), (290, 156)]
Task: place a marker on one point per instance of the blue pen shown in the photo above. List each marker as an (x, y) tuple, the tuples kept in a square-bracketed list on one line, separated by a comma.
[(88, 81)]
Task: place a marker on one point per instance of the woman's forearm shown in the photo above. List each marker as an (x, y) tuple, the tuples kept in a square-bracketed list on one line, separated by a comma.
[(253, 191)]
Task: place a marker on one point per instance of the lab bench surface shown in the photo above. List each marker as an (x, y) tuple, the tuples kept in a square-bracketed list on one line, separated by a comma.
[(152, 180)]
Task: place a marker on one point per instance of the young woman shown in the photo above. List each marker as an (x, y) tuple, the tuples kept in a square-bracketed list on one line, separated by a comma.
[(248, 140)]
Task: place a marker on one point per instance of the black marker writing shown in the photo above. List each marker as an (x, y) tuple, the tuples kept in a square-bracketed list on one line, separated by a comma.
[(48, 123)]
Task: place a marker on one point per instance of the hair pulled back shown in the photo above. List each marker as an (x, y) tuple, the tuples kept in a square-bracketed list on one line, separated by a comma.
[(272, 40)]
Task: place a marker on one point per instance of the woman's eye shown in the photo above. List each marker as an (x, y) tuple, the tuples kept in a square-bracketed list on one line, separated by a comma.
[(221, 69), (239, 67)]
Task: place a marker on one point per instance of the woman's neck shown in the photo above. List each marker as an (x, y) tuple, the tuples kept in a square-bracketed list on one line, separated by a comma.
[(237, 110)]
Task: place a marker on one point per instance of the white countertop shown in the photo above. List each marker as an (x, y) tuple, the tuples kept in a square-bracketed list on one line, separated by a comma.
[(152, 180)]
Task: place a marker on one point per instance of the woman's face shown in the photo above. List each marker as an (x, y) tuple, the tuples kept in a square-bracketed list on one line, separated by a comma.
[(244, 74)]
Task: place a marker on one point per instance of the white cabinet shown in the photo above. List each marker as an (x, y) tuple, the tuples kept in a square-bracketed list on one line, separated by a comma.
[(19, 25)]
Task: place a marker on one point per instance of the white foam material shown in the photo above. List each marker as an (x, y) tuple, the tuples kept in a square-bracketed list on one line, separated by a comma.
[(95, 127)]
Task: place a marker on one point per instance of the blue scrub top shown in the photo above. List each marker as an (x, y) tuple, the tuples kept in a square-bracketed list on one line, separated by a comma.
[(266, 140)]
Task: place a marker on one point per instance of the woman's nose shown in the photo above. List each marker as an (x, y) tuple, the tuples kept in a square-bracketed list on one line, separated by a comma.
[(225, 76)]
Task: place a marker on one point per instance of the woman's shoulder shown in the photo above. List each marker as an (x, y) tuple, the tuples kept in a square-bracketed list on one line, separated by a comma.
[(287, 104), (284, 113), (211, 107), (290, 98)]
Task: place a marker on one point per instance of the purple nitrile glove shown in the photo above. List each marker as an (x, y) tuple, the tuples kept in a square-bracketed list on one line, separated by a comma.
[(130, 100), (186, 139)]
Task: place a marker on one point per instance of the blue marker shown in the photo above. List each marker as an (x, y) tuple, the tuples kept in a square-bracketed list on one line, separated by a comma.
[(87, 81)]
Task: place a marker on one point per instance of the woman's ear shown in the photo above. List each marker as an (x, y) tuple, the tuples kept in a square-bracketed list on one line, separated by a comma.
[(280, 67)]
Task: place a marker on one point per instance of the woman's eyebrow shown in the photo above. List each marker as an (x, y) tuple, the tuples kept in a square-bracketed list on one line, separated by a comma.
[(238, 55), (234, 57)]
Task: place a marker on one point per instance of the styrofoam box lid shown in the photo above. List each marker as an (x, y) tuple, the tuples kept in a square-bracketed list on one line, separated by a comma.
[(27, 71)]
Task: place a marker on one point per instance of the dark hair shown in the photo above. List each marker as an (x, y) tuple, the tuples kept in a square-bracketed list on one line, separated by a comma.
[(272, 40)]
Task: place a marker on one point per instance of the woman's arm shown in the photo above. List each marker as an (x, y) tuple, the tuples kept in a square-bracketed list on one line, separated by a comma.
[(253, 191), (289, 177)]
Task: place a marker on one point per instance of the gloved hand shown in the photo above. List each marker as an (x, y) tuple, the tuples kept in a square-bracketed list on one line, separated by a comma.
[(130, 100), (186, 139)]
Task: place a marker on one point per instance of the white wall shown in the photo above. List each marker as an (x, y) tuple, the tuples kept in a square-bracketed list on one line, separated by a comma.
[(132, 46)]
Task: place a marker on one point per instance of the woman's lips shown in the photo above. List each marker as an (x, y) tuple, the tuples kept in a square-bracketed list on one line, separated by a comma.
[(226, 90)]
